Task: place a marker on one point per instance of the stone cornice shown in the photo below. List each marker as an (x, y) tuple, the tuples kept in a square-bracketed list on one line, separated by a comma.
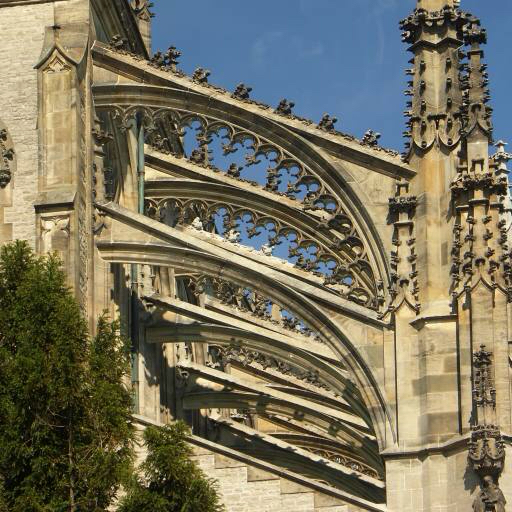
[(12, 3), (457, 443)]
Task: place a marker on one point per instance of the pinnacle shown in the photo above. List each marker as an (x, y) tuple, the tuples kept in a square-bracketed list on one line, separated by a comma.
[(436, 5)]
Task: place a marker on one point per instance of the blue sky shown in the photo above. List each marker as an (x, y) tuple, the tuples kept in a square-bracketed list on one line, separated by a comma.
[(344, 57)]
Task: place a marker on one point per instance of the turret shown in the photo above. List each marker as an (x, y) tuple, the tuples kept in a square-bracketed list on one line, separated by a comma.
[(142, 11)]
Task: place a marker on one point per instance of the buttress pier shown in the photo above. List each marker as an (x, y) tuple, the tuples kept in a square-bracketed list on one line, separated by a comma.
[(331, 317)]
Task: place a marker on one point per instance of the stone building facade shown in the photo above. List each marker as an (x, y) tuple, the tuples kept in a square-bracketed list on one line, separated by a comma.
[(332, 318)]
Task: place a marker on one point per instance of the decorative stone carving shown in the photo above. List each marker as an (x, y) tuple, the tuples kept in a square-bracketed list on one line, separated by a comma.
[(344, 460), (167, 61), (285, 107), (370, 138), (242, 92), (49, 225), (475, 113), (197, 224), (487, 452), (248, 357), (141, 8), (233, 236), (248, 301), (234, 139), (404, 276), (402, 204), (172, 57), (200, 156), (420, 19), (109, 183), (267, 249), (484, 393), (160, 61), (480, 249), (327, 123), (201, 75), (6, 158), (486, 449), (342, 263), (490, 497), (119, 43), (102, 137), (489, 182), (234, 170), (99, 222), (501, 157), (461, 105)]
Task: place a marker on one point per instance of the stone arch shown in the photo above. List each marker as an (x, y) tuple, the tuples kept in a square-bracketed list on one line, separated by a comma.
[(157, 102), (331, 332)]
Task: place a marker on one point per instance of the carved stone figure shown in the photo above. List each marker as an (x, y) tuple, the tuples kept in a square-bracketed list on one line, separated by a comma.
[(242, 92), (119, 43), (158, 59), (6, 159), (370, 138), (285, 107), (327, 123), (490, 498), (201, 75), (234, 170)]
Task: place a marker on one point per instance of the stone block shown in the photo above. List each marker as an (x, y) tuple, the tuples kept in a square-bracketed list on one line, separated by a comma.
[(221, 461), (289, 487), (257, 475), (324, 500)]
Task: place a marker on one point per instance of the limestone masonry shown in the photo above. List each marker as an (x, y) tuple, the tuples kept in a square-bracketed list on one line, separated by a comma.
[(332, 318)]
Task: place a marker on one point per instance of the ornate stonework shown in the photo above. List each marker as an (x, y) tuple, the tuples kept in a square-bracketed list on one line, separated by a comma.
[(309, 302)]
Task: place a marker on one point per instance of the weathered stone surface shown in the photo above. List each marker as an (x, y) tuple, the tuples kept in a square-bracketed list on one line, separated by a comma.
[(320, 328)]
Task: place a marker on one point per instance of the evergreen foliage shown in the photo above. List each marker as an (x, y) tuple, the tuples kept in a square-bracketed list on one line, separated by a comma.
[(170, 481), (65, 414)]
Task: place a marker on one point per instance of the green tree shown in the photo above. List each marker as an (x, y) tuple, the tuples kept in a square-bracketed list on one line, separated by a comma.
[(169, 480), (65, 414), (3, 502)]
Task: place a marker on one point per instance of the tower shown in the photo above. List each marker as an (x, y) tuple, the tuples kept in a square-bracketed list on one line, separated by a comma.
[(458, 228)]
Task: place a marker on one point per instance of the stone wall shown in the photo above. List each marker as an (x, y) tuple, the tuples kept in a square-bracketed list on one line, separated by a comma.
[(440, 482), (245, 488), (22, 41)]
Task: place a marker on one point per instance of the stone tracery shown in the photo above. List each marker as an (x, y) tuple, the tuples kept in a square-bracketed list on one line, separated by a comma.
[(302, 298)]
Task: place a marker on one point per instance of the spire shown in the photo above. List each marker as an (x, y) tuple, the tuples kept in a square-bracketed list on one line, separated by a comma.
[(448, 126), (435, 37), (143, 14), (476, 114)]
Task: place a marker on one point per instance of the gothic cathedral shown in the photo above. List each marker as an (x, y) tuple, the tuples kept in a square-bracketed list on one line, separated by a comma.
[(332, 318)]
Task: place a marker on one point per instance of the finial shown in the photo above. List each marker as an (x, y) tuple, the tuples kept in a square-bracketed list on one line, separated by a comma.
[(285, 107), (327, 123), (242, 92), (141, 8), (201, 75), (370, 138), (168, 60)]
